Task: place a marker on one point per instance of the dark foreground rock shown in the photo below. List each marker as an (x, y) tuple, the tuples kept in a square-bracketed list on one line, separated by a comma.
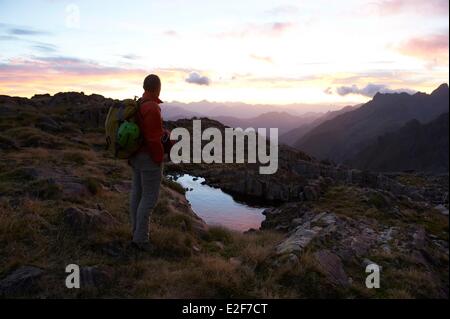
[(20, 281)]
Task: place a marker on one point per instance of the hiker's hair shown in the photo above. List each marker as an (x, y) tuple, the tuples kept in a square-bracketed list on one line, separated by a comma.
[(152, 83)]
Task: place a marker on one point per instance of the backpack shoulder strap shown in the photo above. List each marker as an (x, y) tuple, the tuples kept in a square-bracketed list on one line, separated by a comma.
[(139, 103)]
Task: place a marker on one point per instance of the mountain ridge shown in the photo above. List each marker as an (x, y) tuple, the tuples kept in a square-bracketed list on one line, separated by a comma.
[(344, 136)]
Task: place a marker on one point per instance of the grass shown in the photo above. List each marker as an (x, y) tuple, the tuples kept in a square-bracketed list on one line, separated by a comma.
[(412, 180), (173, 185)]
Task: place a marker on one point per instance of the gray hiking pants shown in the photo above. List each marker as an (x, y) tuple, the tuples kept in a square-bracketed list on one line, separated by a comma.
[(144, 195)]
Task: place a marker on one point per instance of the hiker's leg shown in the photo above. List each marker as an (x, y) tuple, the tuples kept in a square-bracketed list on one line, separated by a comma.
[(151, 182), (135, 197)]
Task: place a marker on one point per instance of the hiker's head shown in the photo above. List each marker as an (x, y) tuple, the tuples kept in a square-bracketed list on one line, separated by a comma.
[(152, 84)]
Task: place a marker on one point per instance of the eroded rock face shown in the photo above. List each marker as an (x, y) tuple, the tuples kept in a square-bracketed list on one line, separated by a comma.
[(297, 241), (331, 265), (20, 281)]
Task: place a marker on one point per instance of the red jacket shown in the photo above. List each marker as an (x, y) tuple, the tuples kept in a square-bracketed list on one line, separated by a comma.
[(150, 123)]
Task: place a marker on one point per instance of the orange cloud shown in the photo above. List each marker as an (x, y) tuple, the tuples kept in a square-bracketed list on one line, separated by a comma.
[(55, 74)]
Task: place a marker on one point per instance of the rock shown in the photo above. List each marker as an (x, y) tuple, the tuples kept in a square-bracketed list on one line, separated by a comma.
[(331, 265), (94, 276), (297, 241), (235, 261), (21, 280), (219, 245), (419, 238), (86, 219), (310, 193), (73, 187), (292, 259), (366, 262), (48, 124), (8, 144), (123, 187), (441, 208)]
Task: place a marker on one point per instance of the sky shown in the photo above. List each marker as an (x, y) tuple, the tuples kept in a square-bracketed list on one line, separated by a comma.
[(253, 51)]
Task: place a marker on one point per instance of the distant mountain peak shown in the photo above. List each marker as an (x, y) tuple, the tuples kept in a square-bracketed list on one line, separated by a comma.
[(442, 89)]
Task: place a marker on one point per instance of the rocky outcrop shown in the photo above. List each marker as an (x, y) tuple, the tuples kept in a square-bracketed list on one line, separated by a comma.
[(348, 237), (310, 226)]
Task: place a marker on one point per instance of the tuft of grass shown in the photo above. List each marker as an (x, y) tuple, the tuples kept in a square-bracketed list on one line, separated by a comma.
[(74, 157), (33, 137), (18, 175), (45, 189), (173, 185), (93, 185), (218, 233)]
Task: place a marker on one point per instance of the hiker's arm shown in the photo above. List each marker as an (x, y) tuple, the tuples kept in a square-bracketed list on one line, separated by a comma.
[(153, 133)]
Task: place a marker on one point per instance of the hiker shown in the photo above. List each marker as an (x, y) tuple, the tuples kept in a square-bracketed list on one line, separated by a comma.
[(147, 163)]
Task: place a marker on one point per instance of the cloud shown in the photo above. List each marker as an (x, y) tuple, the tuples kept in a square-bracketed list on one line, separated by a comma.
[(328, 91), (369, 90), (273, 29), (20, 35), (45, 47), (266, 59), (431, 47), (53, 74), (130, 56), (195, 78), (24, 31), (421, 7), (283, 10), (15, 30)]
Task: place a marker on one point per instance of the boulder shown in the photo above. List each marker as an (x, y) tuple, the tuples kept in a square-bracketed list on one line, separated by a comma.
[(86, 219), (20, 281), (94, 276)]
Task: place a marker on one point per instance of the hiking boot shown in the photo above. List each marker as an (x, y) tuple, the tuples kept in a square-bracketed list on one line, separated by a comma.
[(144, 247)]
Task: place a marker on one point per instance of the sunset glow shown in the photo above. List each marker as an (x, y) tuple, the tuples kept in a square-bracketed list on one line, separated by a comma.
[(270, 52)]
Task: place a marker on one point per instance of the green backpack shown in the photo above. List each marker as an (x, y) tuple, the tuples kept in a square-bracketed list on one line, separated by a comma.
[(123, 136)]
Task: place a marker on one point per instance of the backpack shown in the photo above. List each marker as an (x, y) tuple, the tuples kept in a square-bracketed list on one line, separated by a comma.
[(123, 136)]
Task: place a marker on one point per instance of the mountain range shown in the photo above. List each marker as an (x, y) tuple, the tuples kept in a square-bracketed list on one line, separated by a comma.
[(177, 110), (295, 134), (345, 136)]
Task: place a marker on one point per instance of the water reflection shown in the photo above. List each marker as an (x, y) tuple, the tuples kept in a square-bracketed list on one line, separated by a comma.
[(218, 208)]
